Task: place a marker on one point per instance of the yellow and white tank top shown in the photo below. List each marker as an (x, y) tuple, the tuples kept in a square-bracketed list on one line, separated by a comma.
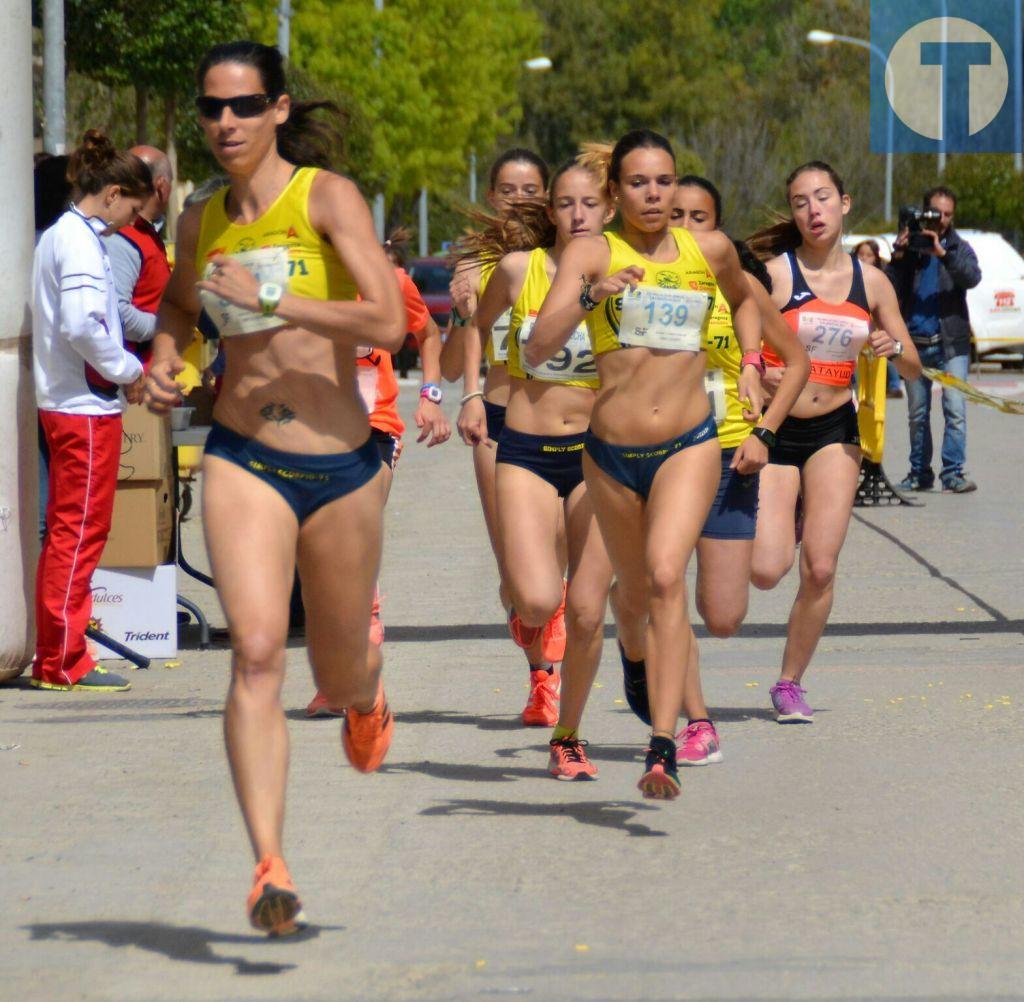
[(497, 344), (281, 246), (671, 307), (721, 379), (574, 364)]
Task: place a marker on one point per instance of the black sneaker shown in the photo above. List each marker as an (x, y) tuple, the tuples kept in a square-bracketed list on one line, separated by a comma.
[(634, 686), (660, 780), (958, 485)]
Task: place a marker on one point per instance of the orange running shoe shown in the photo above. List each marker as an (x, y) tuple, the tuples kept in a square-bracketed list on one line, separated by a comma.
[(569, 759), (542, 706), (553, 639), (366, 737), (319, 707), (524, 636), (274, 907)]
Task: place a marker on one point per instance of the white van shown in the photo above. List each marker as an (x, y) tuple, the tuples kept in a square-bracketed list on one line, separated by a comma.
[(996, 304)]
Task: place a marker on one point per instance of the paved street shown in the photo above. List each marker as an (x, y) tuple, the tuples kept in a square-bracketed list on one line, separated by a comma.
[(874, 855)]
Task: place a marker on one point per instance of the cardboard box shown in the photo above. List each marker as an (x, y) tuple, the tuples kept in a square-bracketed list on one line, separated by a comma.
[(145, 445), (138, 608), (143, 525)]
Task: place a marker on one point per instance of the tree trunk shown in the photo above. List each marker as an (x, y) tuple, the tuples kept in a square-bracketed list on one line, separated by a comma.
[(141, 116), (170, 147)]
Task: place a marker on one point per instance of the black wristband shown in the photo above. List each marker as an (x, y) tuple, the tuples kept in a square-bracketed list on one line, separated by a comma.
[(765, 435), (585, 301)]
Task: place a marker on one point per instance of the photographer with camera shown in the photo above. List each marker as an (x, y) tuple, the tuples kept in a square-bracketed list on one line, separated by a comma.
[(932, 269)]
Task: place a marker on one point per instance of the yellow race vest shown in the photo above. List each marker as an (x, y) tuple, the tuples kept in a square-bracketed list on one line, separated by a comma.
[(574, 364), (304, 259), (671, 307)]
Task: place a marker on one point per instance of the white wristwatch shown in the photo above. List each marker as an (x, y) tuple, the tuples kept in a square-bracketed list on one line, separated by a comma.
[(897, 349), (270, 295)]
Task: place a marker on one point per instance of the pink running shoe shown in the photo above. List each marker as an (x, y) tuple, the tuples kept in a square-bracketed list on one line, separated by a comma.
[(698, 744), (790, 705)]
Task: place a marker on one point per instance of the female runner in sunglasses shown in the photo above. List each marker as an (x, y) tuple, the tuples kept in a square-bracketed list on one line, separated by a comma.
[(291, 471)]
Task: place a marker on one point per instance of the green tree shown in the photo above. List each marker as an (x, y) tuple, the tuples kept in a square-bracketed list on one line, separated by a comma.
[(430, 79), (154, 50)]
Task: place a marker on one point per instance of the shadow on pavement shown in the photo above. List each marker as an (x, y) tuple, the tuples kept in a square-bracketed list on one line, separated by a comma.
[(494, 722), (598, 752), (468, 772), (909, 628), (191, 944), (599, 813)]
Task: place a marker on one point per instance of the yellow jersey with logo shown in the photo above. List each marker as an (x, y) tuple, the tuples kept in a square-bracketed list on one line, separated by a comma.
[(672, 305), (573, 364), (721, 380), (496, 349), (281, 244)]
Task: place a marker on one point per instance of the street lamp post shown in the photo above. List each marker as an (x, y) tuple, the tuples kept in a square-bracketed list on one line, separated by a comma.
[(818, 37)]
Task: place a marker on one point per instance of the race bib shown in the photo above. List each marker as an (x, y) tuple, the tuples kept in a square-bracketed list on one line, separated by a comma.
[(266, 264), (499, 336), (714, 386), (831, 338), (833, 343), (574, 362), (671, 319)]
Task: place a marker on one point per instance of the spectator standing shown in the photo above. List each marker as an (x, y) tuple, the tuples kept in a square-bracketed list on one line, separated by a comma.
[(138, 257), (82, 374), (932, 289)]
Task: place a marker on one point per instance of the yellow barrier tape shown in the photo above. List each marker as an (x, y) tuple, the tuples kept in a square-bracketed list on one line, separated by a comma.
[(975, 395)]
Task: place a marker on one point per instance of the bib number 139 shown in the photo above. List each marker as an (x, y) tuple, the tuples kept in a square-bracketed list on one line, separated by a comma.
[(670, 319)]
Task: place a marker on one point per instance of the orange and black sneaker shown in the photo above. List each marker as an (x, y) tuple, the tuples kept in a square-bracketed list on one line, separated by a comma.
[(569, 759), (542, 705), (660, 780), (274, 907), (553, 636), (366, 737), (523, 635)]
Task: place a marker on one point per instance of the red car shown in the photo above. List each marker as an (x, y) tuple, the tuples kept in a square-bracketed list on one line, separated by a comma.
[(431, 276)]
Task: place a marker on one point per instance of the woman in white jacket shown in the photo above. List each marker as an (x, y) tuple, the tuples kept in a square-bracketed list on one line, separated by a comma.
[(83, 376)]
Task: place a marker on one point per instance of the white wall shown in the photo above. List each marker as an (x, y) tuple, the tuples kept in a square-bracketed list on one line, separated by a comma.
[(19, 517)]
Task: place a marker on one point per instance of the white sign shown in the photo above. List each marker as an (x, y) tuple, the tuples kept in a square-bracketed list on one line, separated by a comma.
[(138, 608)]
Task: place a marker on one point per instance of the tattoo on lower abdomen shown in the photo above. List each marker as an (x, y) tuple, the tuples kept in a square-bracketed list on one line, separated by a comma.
[(278, 413)]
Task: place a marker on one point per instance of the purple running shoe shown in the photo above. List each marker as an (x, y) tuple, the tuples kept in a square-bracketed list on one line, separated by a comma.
[(790, 705)]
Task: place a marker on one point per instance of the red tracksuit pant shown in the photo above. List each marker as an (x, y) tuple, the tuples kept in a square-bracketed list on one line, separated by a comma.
[(84, 454)]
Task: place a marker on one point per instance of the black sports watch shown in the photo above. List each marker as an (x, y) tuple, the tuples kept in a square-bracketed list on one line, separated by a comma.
[(766, 436)]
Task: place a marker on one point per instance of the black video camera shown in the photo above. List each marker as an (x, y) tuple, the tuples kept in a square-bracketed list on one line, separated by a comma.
[(914, 220)]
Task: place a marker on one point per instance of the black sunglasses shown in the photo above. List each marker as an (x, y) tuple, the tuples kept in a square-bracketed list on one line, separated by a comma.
[(243, 106)]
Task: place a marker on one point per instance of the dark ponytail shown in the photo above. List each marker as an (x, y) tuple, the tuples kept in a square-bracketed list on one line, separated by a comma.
[(97, 164), (306, 139)]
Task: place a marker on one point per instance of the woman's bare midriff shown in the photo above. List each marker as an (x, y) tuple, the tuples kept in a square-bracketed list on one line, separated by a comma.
[(648, 396), (496, 385), (293, 390), (819, 398), (540, 408)]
